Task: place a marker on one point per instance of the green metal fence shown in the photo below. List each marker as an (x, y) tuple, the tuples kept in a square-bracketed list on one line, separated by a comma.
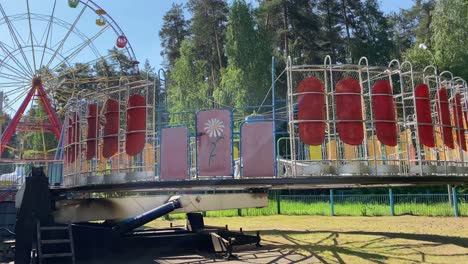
[(358, 205)]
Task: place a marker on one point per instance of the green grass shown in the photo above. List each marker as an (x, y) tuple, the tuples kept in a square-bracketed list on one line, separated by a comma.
[(320, 206)]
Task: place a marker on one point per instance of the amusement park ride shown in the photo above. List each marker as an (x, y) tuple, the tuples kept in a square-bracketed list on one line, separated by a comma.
[(122, 158)]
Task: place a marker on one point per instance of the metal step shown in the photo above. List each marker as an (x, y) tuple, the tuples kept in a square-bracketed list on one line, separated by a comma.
[(55, 241), (68, 240), (57, 255)]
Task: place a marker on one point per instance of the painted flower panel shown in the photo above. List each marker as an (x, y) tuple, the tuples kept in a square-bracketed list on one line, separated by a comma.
[(214, 127)]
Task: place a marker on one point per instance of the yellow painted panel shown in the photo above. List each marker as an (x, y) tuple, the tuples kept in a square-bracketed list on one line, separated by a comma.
[(406, 145), (440, 145), (315, 152), (374, 154), (429, 153), (331, 150), (236, 152), (86, 166), (350, 152), (148, 154)]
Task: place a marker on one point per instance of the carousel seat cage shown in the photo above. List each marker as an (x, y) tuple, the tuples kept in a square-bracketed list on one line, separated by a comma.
[(109, 135), (342, 121), (360, 120)]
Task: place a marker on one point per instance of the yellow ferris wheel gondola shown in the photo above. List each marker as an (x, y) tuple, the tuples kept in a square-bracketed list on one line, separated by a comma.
[(100, 21)]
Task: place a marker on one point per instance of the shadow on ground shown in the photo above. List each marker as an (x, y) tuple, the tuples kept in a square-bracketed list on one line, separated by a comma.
[(322, 246)]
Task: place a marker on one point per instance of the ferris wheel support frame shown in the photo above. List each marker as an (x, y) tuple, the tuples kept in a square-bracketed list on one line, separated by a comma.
[(55, 123), (22, 67)]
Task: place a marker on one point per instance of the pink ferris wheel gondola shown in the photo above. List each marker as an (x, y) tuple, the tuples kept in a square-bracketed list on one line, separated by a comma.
[(122, 42)]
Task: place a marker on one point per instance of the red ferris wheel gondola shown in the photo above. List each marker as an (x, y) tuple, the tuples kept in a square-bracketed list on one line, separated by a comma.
[(122, 41)]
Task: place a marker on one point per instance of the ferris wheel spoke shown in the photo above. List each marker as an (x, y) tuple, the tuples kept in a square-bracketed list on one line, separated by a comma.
[(5, 86), (14, 71), (18, 92), (7, 80), (22, 42), (31, 36), (9, 54), (15, 37), (49, 29), (80, 47), (12, 74), (11, 77), (62, 42), (6, 46), (16, 99), (11, 84)]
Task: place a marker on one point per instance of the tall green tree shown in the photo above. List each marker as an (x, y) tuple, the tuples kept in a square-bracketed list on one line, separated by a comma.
[(208, 32), (173, 31), (332, 40), (188, 89), (372, 36), (450, 36), (413, 25), (38, 145), (271, 17), (294, 28), (246, 78)]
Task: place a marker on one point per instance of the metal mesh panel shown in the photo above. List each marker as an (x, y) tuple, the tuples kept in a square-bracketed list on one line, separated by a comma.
[(374, 155), (120, 167)]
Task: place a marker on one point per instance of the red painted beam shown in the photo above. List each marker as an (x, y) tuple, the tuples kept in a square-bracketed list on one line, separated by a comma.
[(55, 126), (51, 114), (10, 130)]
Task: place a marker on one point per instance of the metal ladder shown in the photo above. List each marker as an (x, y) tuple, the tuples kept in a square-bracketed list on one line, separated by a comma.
[(65, 231)]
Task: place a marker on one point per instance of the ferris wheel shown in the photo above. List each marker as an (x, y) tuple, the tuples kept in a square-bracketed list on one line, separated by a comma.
[(49, 50)]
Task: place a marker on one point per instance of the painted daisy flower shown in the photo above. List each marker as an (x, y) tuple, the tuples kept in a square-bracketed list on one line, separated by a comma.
[(214, 127)]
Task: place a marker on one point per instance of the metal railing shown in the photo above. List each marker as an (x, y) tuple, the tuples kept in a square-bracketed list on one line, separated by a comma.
[(358, 205)]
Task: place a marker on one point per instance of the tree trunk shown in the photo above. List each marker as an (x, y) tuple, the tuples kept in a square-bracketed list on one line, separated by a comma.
[(332, 50), (286, 30), (220, 60), (348, 35)]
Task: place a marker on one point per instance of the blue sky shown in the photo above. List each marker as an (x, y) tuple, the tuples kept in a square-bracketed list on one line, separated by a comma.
[(147, 43), (139, 19)]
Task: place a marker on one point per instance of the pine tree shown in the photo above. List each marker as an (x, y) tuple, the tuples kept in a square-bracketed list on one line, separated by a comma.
[(246, 78), (208, 32), (332, 17), (450, 25), (272, 17), (188, 89), (173, 31), (372, 35), (413, 25), (294, 28)]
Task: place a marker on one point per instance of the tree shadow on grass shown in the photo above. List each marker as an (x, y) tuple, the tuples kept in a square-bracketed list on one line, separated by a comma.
[(384, 247), (325, 246), (459, 241)]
